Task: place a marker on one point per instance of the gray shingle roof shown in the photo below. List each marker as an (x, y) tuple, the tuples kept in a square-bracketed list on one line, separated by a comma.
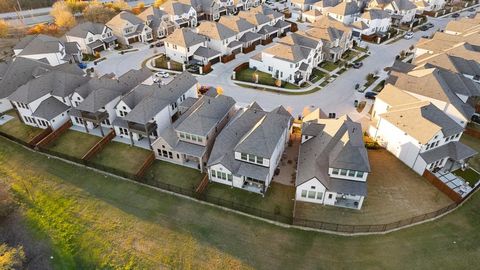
[(82, 30), (454, 150), (50, 108), (205, 115), (207, 52), (338, 143), (252, 131), (39, 44)]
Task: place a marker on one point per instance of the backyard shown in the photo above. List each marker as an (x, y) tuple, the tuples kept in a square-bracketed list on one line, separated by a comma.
[(395, 192), (18, 129), (121, 157), (97, 221), (247, 75), (317, 75), (475, 144), (161, 62), (172, 174), (73, 143)]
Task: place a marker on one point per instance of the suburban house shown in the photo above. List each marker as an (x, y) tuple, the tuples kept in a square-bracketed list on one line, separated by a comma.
[(372, 22), (248, 150), (220, 38), (129, 28), (324, 5), (245, 31), (45, 101), (417, 132), (345, 12), (91, 37), (430, 5), (335, 36), (290, 63), (190, 139), (94, 102), (181, 13), (402, 11), (312, 15), (159, 21), (20, 71), (207, 9), (182, 45), (302, 5), (300, 38), (146, 111), (333, 162), (452, 93), (463, 26), (48, 49)]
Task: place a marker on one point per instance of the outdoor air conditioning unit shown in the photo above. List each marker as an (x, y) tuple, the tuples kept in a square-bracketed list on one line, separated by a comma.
[(464, 166)]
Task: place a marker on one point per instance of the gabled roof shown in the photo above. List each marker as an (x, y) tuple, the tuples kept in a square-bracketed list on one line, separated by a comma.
[(50, 108), (375, 14), (236, 24), (175, 7), (301, 39), (254, 17), (253, 131), (394, 96), (82, 30), (39, 44), (185, 38), (454, 150), (328, 29), (121, 19), (151, 13), (345, 8), (421, 120), (214, 30), (289, 53), (336, 143)]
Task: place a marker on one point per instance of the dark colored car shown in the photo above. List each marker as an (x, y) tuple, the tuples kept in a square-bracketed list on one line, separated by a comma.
[(370, 95), (357, 65), (430, 25), (423, 28), (455, 15), (471, 9), (476, 118)]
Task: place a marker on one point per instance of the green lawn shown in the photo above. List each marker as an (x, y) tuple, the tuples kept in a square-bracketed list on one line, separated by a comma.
[(161, 62), (121, 156), (329, 65), (361, 58), (361, 49), (475, 144), (73, 143), (349, 55), (18, 129), (99, 222), (247, 75), (469, 175), (172, 174), (317, 75), (278, 199)]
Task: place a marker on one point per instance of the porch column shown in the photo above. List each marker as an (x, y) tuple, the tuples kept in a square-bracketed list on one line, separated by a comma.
[(85, 124), (148, 137), (131, 137)]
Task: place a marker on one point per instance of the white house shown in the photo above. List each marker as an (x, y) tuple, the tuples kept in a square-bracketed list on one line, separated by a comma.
[(300, 38), (248, 150), (129, 28), (245, 31), (219, 38), (159, 21), (45, 101), (345, 12), (417, 132), (402, 11), (452, 93), (182, 44), (189, 140), (48, 49), (290, 63), (91, 37), (372, 21), (336, 37), (182, 13), (147, 110), (333, 162)]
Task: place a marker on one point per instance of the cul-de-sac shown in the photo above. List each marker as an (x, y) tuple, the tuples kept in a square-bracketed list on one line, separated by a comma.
[(239, 134)]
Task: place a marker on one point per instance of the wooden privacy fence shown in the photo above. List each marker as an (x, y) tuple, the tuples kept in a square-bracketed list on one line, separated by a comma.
[(40, 137), (248, 49), (54, 135), (227, 58), (203, 184), (99, 146), (241, 67), (146, 164), (472, 132), (442, 186)]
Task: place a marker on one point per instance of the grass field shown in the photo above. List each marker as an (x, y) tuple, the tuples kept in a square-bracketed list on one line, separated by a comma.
[(16, 128), (74, 143), (120, 156), (247, 75), (475, 144), (93, 221), (173, 174)]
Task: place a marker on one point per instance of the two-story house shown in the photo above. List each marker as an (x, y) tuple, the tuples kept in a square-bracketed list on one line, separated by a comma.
[(91, 37), (189, 140), (335, 36), (129, 28), (333, 162), (207, 9), (45, 101), (402, 11), (371, 22), (452, 93), (245, 31), (181, 13), (94, 102), (248, 150), (48, 49), (183, 43), (220, 38), (417, 132), (290, 63), (159, 21), (300, 38), (147, 110), (345, 12)]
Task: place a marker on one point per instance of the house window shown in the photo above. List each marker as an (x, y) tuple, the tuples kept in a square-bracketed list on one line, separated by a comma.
[(230, 178), (251, 158), (213, 173), (319, 195), (360, 174), (304, 193), (243, 156), (343, 172), (259, 160), (188, 137), (311, 194), (199, 139), (335, 171), (164, 153), (182, 135), (351, 173), (330, 195)]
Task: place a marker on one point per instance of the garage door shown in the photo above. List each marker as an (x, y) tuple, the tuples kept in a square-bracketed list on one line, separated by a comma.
[(237, 51), (256, 42), (215, 60)]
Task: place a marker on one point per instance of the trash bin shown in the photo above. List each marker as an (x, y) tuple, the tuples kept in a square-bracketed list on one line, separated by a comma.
[(355, 103)]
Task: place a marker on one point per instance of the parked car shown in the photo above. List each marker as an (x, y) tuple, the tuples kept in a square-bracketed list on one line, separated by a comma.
[(82, 65), (476, 118), (430, 25), (423, 28), (471, 9), (408, 35), (426, 36), (357, 65), (162, 74), (471, 15), (159, 44), (455, 15), (370, 95)]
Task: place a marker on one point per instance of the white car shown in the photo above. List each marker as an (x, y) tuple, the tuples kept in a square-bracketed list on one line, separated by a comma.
[(408, 35), (162, 74)]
